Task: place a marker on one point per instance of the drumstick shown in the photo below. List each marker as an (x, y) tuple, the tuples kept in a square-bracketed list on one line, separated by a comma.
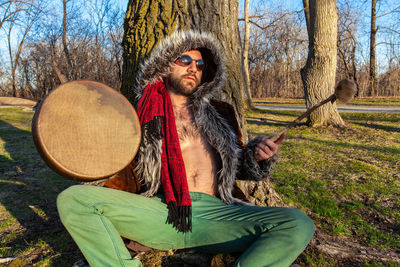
[(344, 92)]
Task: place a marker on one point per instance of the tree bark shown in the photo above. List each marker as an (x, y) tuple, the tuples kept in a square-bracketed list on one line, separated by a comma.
[(318, 75), (148, 21), (372, 64)]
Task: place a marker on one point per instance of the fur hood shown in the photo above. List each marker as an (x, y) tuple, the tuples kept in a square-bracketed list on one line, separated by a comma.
[(157, 65)]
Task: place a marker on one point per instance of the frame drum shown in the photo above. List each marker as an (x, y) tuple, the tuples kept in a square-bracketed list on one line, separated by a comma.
[(85, 130)]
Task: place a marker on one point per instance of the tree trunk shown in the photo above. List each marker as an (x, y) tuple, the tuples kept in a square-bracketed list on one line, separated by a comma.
[(354, 68), (147, 22), (318, 75), (372, 64), (64, 41), (245, 56)]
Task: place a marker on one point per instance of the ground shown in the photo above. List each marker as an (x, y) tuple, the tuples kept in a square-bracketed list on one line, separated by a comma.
[(346, 180)]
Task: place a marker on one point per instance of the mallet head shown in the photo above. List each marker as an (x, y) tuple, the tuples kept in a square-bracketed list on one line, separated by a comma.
[(345, 90)]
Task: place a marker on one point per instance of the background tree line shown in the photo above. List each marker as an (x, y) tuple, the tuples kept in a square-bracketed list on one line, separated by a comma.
[(83, 40)]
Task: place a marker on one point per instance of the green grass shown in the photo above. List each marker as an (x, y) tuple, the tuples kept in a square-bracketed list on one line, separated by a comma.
[(347, 180), (30, 229)]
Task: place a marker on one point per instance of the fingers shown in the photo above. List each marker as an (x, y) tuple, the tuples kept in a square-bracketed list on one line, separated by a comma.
[(267, 148), (263, 152), (281, 138)]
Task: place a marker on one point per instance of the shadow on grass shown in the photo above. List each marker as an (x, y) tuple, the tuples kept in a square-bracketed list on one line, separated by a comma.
[(380, 127), (371, 148), (358, 117), (262, 122), (31, 200), (278, 112)]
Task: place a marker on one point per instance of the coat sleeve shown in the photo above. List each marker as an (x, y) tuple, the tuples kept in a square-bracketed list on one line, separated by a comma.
[(249, 168)]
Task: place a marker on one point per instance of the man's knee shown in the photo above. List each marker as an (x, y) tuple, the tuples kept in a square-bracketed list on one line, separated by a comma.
[(67, 202), (303, 224)]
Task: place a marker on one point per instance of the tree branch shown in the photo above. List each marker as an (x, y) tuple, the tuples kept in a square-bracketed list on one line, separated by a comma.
[(272, 13), (396, 10)]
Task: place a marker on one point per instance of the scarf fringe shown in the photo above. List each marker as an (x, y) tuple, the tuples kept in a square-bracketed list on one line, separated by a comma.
[(180, 217)]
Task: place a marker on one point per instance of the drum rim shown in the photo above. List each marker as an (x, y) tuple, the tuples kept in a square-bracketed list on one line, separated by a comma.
[(52, 162)]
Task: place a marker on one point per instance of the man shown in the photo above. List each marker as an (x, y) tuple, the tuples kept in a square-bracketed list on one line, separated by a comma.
[(187, 163)]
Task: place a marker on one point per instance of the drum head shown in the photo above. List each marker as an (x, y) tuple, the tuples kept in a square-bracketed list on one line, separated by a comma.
[(86, 130)]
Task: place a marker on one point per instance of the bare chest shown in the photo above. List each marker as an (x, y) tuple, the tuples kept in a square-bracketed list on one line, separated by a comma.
[(200, 158)]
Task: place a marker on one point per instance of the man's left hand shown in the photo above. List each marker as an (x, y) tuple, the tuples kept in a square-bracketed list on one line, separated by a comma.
[(267, 148)]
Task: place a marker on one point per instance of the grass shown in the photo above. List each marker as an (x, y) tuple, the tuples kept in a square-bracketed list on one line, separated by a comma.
[(364, 101), (347, 180), (30, 229)]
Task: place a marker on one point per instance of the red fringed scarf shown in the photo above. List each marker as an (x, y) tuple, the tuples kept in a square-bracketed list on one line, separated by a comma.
[(156, 103)]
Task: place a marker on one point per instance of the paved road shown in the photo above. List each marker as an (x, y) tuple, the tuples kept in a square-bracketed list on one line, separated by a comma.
[(341, 109), (301, 108)]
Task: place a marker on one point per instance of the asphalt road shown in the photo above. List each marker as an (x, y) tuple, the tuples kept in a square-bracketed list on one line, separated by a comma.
[(364, 109), (340, 109)]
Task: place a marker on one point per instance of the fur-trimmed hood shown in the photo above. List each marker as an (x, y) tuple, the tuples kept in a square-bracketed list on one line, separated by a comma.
[(157, 65)]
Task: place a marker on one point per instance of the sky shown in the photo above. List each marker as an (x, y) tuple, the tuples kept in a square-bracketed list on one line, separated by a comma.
[(290, 5)]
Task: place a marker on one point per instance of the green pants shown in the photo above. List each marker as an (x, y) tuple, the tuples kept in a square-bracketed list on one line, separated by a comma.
[(96, 217)]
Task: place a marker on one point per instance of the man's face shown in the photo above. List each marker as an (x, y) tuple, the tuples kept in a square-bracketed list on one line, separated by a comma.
[(185, 79)]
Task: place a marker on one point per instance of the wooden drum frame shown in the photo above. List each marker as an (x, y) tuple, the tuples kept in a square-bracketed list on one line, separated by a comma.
[(85, 130)]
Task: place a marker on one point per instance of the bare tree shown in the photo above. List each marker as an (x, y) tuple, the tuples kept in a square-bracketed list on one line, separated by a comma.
[(318, 75), (24, 20), (347, 43), (10, 8), (372, 47), (64, 40), (389, 35), (277, 52), (245, 55), (94, 49)]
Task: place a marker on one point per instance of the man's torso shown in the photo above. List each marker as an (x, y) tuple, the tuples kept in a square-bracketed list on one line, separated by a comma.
[(201, 160)]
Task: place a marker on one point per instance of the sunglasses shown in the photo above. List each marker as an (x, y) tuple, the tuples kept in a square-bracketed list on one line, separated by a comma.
[(186, 60)]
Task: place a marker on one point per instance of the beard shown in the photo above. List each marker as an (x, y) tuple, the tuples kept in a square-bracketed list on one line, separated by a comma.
[(181, 86)]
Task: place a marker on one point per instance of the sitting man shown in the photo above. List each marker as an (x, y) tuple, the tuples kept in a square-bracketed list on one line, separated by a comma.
[(189, 158)]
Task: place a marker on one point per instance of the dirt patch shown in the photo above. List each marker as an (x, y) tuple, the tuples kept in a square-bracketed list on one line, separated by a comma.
[(346, 250)]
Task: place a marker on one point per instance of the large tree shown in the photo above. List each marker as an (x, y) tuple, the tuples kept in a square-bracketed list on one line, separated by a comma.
[(318, 75), (148, 21)]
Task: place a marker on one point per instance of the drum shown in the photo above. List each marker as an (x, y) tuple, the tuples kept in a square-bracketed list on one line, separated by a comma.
[(86, 131)]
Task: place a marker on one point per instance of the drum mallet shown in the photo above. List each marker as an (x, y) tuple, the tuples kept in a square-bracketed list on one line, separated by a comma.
[(344, 92)]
